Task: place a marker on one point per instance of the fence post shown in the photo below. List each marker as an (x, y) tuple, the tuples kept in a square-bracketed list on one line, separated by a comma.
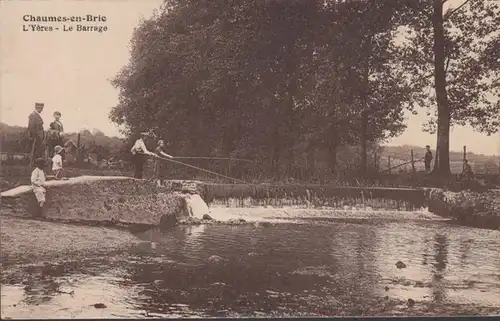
[(78, 150), (412, 163), (375, 160), (389, 163), (465, 157)]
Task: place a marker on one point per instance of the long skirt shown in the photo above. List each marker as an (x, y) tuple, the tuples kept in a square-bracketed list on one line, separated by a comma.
[(159, 169), (138, 161)]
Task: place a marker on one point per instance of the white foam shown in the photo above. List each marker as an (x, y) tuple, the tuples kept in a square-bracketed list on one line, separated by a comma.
[(196, 206)]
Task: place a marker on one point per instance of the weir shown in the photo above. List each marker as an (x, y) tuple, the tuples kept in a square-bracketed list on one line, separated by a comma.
[(118, 200), (314, 195)]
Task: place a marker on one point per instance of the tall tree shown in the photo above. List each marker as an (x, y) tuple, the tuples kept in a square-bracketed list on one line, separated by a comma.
[(452, 46)]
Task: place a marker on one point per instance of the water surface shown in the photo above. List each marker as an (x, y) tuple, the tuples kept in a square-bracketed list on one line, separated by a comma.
[(305, 266)]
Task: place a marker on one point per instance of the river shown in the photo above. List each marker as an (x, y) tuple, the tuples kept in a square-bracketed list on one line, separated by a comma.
[(312, 265)]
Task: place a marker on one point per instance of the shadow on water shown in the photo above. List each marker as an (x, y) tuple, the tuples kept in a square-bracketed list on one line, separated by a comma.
[(337, 268), (440, 257)]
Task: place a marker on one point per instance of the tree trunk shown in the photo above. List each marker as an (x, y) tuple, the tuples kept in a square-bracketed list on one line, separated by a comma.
[(365, 107), (442, 167)]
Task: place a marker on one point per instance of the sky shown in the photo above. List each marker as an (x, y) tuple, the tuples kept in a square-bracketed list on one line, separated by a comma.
[(70, 71)]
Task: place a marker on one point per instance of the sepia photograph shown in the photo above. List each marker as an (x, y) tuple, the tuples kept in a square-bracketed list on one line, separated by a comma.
[(249, 158)]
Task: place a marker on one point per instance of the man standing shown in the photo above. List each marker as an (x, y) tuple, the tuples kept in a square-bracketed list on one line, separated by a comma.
[(428, 158), (139, 152), (36, 133)]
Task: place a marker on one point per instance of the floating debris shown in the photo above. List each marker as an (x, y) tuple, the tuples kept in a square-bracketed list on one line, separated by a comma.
[(100, 306), (400, 265)]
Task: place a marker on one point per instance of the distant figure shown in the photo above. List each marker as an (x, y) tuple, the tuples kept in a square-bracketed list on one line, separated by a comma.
[(55, 133), (139, 152), (57, 164), (428, 158), (36, 133), (160, 164), (38, 181), (467, 173)]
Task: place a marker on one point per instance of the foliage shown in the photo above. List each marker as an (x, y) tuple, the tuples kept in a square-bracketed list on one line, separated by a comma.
[(259, 78), (453, 49)]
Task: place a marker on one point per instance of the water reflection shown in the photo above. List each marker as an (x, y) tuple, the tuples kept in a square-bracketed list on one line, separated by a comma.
[(332, 269), (439, 271)]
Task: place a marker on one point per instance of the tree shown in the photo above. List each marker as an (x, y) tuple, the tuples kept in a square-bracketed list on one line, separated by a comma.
[(249, 78), (452, 46)]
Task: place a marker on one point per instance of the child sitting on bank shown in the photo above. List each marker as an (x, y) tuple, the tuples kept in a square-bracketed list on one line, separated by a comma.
[(57, 165), (38, 181)]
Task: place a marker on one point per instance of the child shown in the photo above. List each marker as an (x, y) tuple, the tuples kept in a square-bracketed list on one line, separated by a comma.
[(57, 166), (38, 181), (57, 122)]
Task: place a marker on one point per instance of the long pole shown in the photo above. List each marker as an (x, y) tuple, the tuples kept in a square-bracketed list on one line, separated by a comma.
[(219, 158), (204, 170)]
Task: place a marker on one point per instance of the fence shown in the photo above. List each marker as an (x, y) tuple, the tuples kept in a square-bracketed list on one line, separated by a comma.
[(409, 161)]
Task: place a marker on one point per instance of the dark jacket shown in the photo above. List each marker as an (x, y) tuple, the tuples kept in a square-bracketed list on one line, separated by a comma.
[(57, 125), (428, 156), (35, 126)]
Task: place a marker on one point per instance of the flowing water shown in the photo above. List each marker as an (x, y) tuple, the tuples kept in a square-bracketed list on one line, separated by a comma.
[(299, 265)]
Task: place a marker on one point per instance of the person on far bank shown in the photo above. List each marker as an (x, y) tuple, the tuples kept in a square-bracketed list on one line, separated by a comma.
[(36, 133), (428, 158), (467, 173), (38, 181), (139, 152), (160, 164), (57, 163)]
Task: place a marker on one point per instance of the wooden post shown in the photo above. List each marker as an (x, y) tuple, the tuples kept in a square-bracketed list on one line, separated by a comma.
[(375, 165), (78, 150), (412, 163), (465, 157), (389, 163)]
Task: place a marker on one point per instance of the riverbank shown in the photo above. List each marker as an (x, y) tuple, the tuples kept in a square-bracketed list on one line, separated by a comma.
[(477, 209)]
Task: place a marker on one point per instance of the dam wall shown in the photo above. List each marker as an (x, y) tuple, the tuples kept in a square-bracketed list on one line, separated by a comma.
[(99, 199), (118, 200)]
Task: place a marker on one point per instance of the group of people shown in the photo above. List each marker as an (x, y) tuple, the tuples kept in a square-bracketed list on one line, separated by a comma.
[(139, 156), (48, 145), (45, 145), (467, 173)]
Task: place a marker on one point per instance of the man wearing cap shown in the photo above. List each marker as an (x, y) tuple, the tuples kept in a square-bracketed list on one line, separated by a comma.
[(139, 152), (36, 133)]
